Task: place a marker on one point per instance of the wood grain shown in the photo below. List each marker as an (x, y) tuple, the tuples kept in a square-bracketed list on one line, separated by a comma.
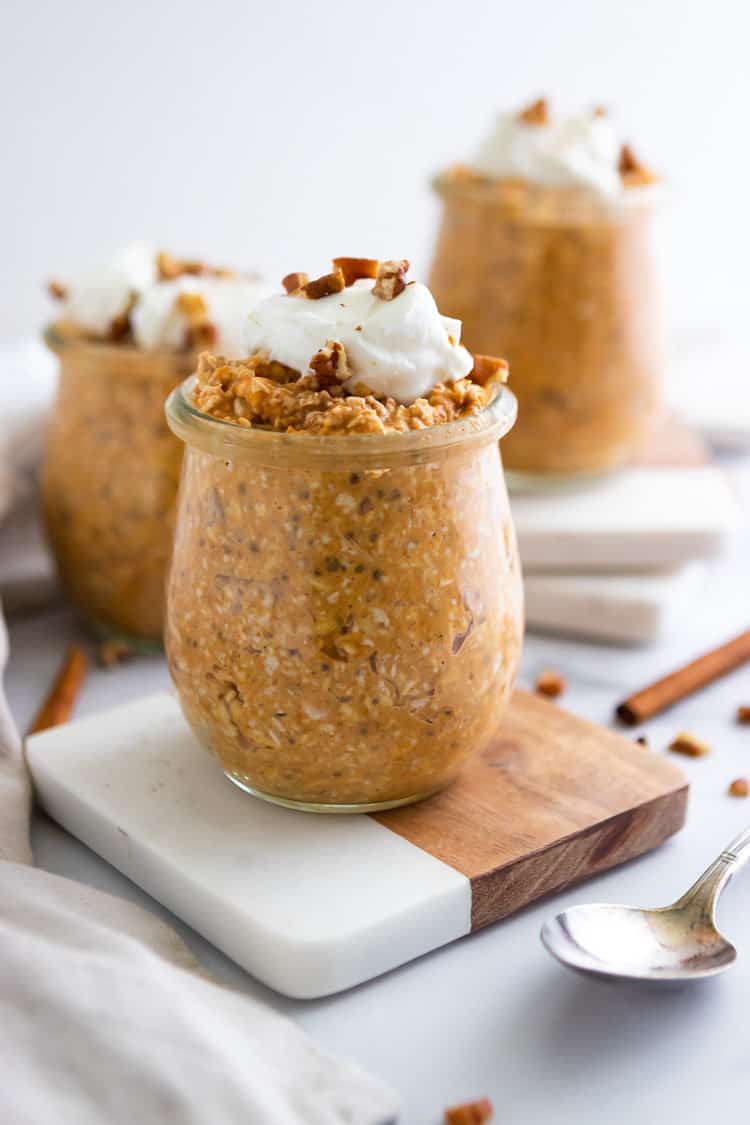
[(552, 800)]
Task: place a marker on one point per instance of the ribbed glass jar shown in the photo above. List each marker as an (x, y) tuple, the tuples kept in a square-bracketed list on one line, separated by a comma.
[(565, 286)]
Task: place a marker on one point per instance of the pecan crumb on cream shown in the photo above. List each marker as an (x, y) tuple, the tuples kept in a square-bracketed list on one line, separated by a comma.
[(391, 279), (57, 290), (535, 114), (632, 172), (326, 285), (295, 282), (329, 365), (354, 269)]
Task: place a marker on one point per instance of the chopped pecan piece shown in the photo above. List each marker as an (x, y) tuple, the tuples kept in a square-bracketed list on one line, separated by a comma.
[(326, 285), (355, 268), (470, 1113), (485, 366), (632, 172), (294, 282), (743, 714), (329, 365), (200, 331), (57, 290), (391, 279), (740, 787), (535, 114), (119, 327), (550, 683), (170, 267), (688, 744)]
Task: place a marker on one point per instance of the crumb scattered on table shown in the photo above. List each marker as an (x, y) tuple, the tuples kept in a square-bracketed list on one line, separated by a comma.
[(688, 744), (470, 1113), (740, 787), (550, 683)]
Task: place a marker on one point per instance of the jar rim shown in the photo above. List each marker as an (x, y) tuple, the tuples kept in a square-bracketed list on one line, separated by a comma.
[(274, 447), (123, 358), (572, 198)]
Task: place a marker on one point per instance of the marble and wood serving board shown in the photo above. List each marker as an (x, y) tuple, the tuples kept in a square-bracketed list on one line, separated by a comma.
[(312, 904)]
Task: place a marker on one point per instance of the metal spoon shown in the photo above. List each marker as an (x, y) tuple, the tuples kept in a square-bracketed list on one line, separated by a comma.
[(673, 943)]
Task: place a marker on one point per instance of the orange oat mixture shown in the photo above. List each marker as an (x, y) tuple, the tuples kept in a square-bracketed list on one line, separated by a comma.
[(344, 605), (257, 392)]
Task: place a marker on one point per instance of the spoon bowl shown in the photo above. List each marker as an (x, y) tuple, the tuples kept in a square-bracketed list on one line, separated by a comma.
[(625, 942), (673, 943)]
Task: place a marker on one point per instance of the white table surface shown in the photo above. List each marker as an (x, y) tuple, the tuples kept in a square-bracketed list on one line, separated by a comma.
[(493, 1015)]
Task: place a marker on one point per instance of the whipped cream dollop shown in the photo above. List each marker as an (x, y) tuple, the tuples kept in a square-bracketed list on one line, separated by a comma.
[(575, 151), (158, 322), (106, 292), (399, 348)]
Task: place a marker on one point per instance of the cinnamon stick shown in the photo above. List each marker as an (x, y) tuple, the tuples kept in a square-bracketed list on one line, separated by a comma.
[(655, 698), (61, 699)]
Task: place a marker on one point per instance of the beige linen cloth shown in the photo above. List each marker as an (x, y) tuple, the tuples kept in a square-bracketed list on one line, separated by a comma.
[(106, 1017)]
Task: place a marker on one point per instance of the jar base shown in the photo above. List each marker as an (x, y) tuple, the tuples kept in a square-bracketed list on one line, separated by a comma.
[(322, 807)]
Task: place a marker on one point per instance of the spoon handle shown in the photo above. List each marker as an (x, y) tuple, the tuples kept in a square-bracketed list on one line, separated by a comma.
[(706, 890)]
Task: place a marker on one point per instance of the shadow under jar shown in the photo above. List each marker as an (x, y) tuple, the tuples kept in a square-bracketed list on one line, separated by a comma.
[(566, 285), (109, 483), (344, 613)]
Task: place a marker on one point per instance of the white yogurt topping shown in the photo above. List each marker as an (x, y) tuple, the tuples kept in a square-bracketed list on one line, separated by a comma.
[(158, 323), (582, 150), (105, 293), (399, 348)]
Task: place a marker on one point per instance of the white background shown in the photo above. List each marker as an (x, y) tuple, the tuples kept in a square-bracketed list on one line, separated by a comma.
[(276, 135)]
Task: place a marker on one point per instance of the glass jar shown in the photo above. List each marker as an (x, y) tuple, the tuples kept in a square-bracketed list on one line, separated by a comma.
[(565, 286), (109, 483), (344, 613)]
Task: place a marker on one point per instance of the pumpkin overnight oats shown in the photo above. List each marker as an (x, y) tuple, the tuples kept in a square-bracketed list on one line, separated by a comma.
[(126, 336), (546, 245), (344, 606)]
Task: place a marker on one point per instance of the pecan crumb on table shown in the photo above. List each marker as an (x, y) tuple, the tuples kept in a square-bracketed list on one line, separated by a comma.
[(740, 787), (687, 744), (550, 683), (470, 1113)]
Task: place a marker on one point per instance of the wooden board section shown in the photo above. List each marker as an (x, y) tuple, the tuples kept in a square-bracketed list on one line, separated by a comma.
[(551, 801)]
